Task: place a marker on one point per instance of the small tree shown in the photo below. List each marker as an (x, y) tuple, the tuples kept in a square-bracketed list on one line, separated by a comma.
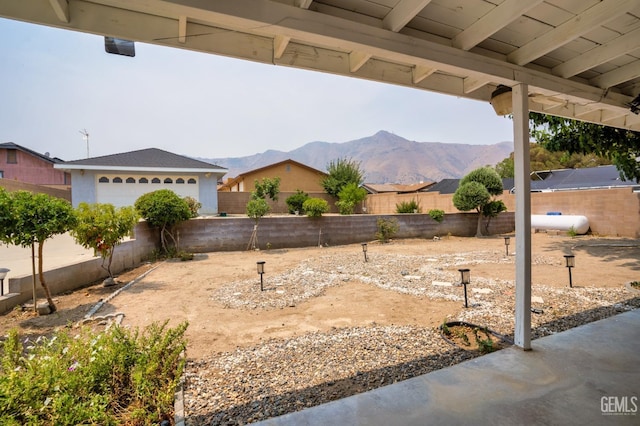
[(102, 227), (476, 190), (267, 188), (257, 208), (295, 201), (163, 209), (350, 195), (341, 172), (387, 228), (27, 218)]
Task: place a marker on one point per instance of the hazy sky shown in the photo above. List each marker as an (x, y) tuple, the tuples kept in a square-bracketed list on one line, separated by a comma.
[(56, 83)]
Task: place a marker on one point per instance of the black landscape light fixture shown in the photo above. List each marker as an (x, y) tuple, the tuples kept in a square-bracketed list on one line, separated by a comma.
[(507, 241), (465, 278), (3, 274), (261, 271), (571, 262), (501, 100), (364, 250)]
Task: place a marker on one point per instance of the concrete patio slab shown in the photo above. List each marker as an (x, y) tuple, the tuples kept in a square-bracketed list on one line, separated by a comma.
[(586, 375)]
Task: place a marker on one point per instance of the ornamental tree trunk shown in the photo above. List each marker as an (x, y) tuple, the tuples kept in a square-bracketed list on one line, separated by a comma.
[(479, 226), (52, 306)]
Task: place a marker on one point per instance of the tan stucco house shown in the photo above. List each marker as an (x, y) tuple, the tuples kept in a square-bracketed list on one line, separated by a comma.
[(293, 176)]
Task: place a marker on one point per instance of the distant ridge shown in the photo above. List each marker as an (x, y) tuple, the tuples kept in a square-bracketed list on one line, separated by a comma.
[(384, 157)]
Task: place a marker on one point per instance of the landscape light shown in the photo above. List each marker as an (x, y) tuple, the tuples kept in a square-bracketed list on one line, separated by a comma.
[(261, 271), (3, 274), (571, 262), (507, 241), (364, 250), (465, 278)]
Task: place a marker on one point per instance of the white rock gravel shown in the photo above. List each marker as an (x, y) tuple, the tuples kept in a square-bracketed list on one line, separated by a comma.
[(281, 376)]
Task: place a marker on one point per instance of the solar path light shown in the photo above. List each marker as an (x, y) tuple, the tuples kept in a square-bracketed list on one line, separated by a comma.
[(571, 262), (364, 250), (507, 241), (465, 278), (261, 271), (3, 274)]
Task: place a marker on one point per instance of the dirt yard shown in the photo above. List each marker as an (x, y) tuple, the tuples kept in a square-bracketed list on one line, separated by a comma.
[(191, 290)]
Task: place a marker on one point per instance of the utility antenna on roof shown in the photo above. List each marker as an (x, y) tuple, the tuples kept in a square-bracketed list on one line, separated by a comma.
[(85, 136)]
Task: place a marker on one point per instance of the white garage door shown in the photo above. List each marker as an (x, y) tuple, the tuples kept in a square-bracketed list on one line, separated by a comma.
[(124, 190)]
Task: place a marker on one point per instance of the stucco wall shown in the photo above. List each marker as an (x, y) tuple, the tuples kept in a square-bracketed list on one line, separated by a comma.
[(611, 212), (236, 202)]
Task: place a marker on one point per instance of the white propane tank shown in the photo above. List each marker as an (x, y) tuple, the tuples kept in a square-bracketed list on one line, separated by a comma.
[(560, 222)]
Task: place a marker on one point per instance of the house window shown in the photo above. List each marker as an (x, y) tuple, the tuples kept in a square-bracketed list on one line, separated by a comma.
[(131, 180), (192, 180), (287, 167), (143, 180), (103, 179), (1, 174), (117, 180), (155, 180), (168, 180), (179, 180), (12, 156)]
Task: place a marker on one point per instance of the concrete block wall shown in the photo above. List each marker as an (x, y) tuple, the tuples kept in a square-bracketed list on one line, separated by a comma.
[(229, 233)]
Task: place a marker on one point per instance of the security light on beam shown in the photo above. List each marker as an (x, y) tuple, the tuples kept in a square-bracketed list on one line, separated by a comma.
[(119, 46)]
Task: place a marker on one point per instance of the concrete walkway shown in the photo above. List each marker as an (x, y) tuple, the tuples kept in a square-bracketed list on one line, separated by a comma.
[(589, 375)]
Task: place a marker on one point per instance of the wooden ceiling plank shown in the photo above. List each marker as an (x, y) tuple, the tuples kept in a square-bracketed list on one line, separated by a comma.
[(619, 75), (505, 13), (581, 24), (599, 55), (403, 13)]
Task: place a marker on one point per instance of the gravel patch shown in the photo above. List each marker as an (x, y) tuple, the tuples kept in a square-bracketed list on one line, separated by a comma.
[(282, 376)]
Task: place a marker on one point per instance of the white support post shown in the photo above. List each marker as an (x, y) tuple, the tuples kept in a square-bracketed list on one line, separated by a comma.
[(522, 332)]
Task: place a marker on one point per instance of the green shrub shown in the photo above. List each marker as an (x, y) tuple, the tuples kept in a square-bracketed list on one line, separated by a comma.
[(437, 215), (119, 376), (387, 228), (350, 195), (295, 202), (315, 207), (408, 207)]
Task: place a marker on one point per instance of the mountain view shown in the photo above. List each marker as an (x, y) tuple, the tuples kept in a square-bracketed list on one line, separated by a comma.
[(384, 158)]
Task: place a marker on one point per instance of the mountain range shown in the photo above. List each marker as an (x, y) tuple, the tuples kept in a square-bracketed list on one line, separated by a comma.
[(384, 157)]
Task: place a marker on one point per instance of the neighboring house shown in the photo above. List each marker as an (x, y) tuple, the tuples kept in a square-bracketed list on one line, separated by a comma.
[(601, 177), (293, 176), (24, 165), (449, 186), (380, 188), (120, 179)]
